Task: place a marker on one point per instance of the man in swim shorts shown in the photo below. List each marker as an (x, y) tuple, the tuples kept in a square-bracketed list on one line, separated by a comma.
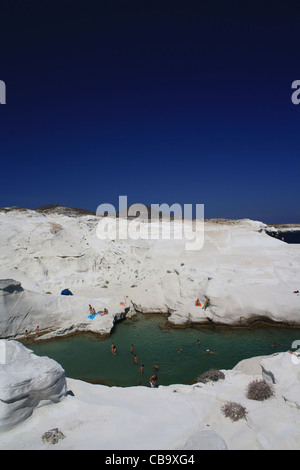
[(153, 381)]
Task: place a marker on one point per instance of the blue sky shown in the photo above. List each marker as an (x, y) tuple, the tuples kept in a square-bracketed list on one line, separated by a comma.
[(162, 101)]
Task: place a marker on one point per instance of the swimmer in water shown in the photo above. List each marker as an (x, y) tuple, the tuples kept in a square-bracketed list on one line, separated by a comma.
[(135, 359)]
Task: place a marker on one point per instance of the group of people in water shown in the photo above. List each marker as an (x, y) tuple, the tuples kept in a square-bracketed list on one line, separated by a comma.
[(154, 378)]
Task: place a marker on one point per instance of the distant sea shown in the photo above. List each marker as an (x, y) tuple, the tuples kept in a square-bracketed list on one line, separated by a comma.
[(289, 237)]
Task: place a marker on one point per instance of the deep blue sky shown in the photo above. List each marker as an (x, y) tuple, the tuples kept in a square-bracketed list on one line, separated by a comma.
[(162, 101)]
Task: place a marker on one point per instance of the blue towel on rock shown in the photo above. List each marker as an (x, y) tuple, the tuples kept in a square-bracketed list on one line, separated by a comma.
[(93, 316)]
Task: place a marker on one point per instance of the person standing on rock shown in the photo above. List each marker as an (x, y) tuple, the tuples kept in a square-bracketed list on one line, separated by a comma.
[(153, 381)]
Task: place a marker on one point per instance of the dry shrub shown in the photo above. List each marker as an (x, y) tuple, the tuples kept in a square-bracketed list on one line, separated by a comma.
[(212, 374), (234, 411), (259, 390), (53, 436)]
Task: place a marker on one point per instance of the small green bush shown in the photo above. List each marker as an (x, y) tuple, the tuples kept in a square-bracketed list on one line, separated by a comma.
[(234, 411), (259, 390), (212, 374)]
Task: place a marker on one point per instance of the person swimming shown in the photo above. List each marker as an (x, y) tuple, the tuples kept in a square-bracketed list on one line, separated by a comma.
[(135, 359)]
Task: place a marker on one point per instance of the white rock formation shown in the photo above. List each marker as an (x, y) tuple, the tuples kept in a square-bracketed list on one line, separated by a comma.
[(22, 310), (26, 382), (247, 274)]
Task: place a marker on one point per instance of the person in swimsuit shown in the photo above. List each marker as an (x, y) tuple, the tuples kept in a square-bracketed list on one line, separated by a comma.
[(153, 381), (135, 359)]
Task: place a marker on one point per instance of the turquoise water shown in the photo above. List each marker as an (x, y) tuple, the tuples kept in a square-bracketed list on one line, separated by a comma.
[(89, 358)]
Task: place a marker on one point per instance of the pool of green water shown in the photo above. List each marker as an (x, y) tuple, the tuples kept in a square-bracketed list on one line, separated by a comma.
[(88, 357)]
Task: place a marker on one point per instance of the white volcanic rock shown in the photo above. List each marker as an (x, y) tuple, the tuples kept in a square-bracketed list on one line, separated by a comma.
[(22, 310), (247, 274), (277, 370), (26, 382), (205, 440)]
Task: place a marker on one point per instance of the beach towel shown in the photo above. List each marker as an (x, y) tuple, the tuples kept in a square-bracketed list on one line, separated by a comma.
[(92, 316)]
